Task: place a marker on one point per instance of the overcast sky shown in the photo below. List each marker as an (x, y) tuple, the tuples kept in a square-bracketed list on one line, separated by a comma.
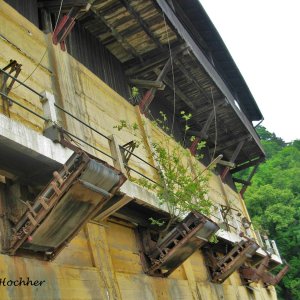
[(263, 37)]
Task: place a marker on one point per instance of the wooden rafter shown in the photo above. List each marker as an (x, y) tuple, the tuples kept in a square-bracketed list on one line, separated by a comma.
[(141, 22), (154, 62), (231, 143), (125, 44), (189, 77), (178, 92)]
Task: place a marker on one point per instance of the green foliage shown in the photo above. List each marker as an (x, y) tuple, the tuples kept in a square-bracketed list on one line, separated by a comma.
[(182, 184), (273, 201), (134, 91)]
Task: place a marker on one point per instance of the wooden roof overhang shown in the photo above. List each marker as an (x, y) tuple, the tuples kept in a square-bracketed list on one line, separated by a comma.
[(141, 33)]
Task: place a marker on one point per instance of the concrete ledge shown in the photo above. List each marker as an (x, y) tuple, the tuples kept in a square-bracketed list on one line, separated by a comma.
[(19, 137)]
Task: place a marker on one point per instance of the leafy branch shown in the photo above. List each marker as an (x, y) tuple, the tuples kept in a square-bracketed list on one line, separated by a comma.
[(182, 184)]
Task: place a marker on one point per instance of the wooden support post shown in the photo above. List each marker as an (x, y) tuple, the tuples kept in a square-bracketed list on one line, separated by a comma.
[(116, 154), (46, 21), (149, 95), (281, 274), (202, 134), (245, 186), (233, 158)]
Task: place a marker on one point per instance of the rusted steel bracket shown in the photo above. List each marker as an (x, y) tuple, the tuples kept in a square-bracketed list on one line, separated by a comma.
[(249, 274), (126, 151), (221, 267), (66, 24), (12, 67), (270, 279), (161, 258)]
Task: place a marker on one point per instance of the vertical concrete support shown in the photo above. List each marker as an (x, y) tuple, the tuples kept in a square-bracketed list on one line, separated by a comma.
[(187, 266), (102, 260), (116, 154), (5, 228), (48, 101)]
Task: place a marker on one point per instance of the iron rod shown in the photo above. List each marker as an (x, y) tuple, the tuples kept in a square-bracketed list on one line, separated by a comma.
[(21, 105), (142, 174), (21, 83), (82, 122), (138, 157), (86, 143)]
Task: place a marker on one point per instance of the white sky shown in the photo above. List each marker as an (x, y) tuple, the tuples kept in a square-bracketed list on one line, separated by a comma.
[(263, 37)]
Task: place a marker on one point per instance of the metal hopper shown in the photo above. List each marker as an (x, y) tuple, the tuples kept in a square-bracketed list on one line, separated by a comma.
[(162, 258), (74, 196)]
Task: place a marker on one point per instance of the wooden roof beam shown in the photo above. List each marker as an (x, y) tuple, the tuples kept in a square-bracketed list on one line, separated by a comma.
[(232, 143), (142, 23), (148, 83), (125, 44), (247, 165), (56, 3), (233, 158), (189, 76), (208, 67), (178, 92), (155, 62), (150, 94)]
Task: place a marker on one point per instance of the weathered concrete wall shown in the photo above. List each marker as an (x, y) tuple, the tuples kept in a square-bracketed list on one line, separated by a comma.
[(102, 262)]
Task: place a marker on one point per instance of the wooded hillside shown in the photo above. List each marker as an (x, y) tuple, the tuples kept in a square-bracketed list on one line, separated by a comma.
[(273, 201)]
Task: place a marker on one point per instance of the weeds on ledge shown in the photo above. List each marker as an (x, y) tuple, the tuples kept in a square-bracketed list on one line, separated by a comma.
[(182, 183)]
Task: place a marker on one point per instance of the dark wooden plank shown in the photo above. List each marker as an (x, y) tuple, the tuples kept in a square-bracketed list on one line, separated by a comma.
[(247, 165)]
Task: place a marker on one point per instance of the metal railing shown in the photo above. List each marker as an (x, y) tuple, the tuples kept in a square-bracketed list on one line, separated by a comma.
[(74, 136)]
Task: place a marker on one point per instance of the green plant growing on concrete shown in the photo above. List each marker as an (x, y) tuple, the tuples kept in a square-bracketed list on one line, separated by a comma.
[(182, 184)]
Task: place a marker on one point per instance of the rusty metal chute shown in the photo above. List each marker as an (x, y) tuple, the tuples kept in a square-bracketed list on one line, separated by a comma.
[(74, 195), (163, 257), (221, 267), (270, 279), (249, 274)]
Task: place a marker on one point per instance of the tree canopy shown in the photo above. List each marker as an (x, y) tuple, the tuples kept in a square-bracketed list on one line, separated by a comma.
[(273, 201)]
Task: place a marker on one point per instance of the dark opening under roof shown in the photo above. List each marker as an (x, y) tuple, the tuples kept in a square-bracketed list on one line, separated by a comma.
[(211, 42)]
